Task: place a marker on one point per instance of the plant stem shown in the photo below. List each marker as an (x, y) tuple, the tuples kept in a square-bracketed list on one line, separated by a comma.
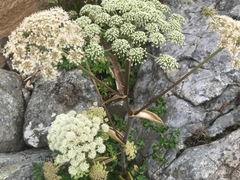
[(102, 101), (98, 80), (179, 80)]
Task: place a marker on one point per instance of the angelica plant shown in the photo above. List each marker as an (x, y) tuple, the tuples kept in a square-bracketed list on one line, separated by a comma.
[(121, 30)]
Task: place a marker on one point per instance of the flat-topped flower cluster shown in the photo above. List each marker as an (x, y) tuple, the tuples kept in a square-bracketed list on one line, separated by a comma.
[(129, 25), (77, 137), (42, 41)]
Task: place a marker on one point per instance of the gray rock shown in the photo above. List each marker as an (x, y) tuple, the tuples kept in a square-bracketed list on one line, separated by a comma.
[(11, 113), (225, 121), (207, 100), (18, 166), (218, 160), (71, 91)]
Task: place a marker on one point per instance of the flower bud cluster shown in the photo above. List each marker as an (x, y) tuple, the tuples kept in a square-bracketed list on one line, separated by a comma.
[(77, 138), (229, 30), (98, 172), (42, 41), (167, 62), (131, 150), (131, 24)]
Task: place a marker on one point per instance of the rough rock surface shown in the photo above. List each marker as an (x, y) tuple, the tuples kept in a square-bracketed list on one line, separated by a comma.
[(206, 102), (12, 12), (18, 166), (11, 112), (71, 91), (217, 160)]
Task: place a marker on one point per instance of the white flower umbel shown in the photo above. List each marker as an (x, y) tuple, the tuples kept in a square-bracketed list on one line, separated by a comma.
[(42, 41), (229, 29), (75, 137), (129, 25)]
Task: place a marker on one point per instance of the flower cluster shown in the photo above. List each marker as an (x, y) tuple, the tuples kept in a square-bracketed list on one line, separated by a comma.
[(42, 41), (50, 171), (167, 62), (229, 30), (131, 150), (77, 138), (130, 24), (98, 172)]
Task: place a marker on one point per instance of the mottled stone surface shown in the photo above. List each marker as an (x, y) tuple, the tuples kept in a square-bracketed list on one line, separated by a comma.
[(214, 161), (11, 112), (207, 102), (18, 166), (12, 12), (71, 91)]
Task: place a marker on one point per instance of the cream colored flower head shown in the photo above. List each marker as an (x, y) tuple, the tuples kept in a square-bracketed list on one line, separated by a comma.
[(129, 26), (76, 137), (131, 150), (42, 41), (98, 172), (229, 30)]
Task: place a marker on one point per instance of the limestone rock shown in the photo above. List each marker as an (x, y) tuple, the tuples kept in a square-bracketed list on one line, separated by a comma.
[(18, 166), (71, 91), (11, 113), (217, 160), (12, 12), (207, 100)]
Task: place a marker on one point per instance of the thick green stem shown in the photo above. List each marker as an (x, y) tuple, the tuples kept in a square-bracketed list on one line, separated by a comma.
[(179, 81)]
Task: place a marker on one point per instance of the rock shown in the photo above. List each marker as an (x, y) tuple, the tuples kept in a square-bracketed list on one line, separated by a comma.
[(225, 121), (11, 113), (217, 160), (207, 100), (12, 12), (18, 166), (71, 91)]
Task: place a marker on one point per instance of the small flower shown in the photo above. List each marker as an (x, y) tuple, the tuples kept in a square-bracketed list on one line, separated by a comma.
[(111, 34), (176, 37), (136, 54), (115, 20), (94, 51), (102, 19), (92, 154), (152, 27), (101, 148), (50, 171), (83, 21), (120, 47), (139, 38), (131, 150), (105, 127), (98, 172), (92, 30), (157, 39), (167, 62), (127, 29)]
